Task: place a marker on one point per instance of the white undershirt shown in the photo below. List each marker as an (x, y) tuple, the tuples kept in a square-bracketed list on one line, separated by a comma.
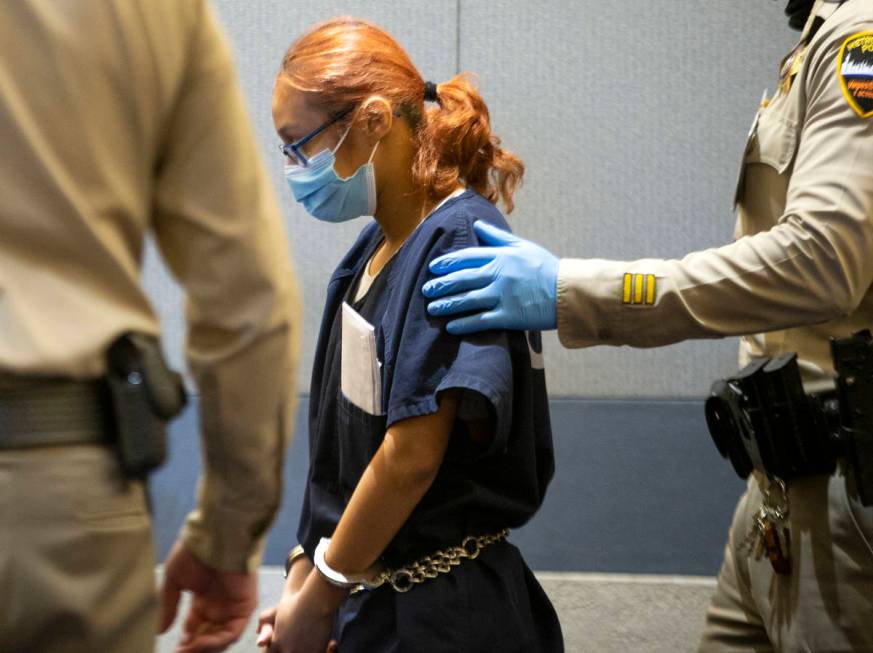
[(367, 279), (365, 282)]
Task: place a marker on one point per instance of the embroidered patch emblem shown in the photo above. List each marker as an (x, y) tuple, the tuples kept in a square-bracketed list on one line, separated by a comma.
[(855, 68), (639, 289)]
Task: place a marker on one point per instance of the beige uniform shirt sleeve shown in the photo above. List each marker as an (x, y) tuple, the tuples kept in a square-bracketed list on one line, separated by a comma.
[(220, 230), (814, 265)]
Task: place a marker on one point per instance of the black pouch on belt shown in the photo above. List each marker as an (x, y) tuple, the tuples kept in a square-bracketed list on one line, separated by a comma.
[(761, 418), (146, 394), (853, 361)]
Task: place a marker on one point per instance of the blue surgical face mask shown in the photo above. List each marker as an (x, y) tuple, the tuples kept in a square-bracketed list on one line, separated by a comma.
[(328, 197)]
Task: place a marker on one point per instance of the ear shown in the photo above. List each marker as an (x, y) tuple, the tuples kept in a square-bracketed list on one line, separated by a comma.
[(376, 118)]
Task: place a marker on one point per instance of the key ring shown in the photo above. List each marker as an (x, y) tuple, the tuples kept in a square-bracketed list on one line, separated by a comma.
[(782, 504)]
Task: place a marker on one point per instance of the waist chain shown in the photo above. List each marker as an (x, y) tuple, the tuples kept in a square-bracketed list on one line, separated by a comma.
[(431, 566)]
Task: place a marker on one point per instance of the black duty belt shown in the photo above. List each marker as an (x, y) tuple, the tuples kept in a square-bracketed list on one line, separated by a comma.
[(761, 417), (49, 412)]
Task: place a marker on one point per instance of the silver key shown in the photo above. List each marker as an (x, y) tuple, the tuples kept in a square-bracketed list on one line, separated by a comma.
[(758, 552), (775, 531), (754, 542)]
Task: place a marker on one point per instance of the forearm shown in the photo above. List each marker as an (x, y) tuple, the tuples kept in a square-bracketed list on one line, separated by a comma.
[(400, 473), (298, 574), (244, 439), (791, 275), (394, 482), (383, 500), (593, 307)]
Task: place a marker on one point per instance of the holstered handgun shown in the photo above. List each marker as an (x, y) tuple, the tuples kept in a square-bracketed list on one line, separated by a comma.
[(762, 419), (145, 395)]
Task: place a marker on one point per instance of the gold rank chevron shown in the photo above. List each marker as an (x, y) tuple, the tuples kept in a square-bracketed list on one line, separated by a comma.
[(639, 289)]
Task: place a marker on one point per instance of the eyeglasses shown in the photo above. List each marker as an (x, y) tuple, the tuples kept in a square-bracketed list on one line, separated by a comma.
[(293, 151)]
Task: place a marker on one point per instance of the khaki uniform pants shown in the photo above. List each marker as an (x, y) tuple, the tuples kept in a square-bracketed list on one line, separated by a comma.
[(76, 554), (826, 604)]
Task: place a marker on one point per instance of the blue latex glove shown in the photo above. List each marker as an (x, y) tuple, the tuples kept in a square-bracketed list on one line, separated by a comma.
[(512, 285)]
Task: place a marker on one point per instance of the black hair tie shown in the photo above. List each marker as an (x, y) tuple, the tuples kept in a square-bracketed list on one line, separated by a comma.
[(430, 92)]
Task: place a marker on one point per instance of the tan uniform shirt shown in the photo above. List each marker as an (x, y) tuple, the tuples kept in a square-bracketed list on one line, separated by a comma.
[(118, 117), (802, 267)]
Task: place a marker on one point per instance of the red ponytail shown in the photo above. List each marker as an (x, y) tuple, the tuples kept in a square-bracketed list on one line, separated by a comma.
[(456, 145)]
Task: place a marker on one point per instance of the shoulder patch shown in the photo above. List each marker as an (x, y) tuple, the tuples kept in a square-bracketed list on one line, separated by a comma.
[(855, 70)]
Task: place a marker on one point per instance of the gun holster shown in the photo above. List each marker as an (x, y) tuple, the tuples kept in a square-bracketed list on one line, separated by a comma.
[(762, 419), (145, 395)]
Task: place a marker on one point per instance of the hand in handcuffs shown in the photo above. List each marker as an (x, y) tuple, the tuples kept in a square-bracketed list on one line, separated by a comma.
[(303, 619)]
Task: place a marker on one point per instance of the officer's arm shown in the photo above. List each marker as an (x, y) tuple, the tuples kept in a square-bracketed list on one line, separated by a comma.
[(219, 228)]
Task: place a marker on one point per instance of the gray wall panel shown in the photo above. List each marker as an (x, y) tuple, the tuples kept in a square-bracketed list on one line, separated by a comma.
[(630, 117)]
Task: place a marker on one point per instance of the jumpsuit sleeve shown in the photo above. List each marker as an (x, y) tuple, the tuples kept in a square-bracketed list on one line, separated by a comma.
[(428, 360), (814, 265), (220, 230)]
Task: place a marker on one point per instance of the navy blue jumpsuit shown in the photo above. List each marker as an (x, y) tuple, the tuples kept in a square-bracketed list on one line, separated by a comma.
[(492, 603)]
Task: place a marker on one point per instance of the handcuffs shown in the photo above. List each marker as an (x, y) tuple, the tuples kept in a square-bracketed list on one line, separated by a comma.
[(405, 578)]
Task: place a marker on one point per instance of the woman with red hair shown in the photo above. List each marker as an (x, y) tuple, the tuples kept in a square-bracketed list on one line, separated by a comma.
[(425, 448)]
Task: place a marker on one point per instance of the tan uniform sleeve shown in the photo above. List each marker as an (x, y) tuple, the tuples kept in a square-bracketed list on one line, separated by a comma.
[(220, 230), (814, 265)]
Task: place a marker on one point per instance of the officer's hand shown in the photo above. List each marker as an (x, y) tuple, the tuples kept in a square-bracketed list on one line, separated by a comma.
[(512, 285), (220, 608)]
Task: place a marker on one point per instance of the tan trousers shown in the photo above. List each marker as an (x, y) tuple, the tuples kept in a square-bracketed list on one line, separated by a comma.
[(826, 604), (76, 554)]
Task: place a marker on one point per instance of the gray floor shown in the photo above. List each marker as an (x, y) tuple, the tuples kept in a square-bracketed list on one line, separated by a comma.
[(600, 613)]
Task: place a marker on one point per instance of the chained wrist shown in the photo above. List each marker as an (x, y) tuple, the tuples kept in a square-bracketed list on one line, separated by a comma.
[(346, 581), (293, 555), (320, 595)]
